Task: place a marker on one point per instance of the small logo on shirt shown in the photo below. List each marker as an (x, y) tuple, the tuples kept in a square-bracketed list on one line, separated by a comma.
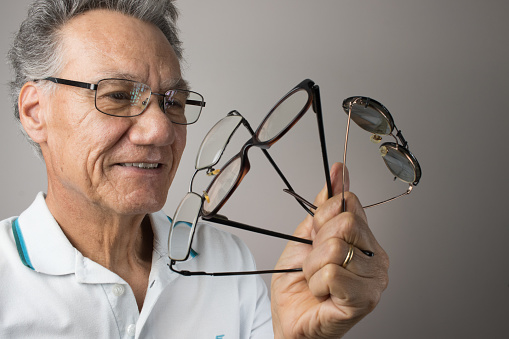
[(220, 336)]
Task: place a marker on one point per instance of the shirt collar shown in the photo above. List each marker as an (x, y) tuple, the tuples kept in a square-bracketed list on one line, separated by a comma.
[(45, 247)]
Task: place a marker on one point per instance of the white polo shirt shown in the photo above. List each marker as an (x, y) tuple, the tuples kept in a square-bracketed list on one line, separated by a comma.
[(49, 290)]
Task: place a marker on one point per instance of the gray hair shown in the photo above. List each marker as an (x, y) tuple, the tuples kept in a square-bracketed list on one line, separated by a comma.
[(36, 51)]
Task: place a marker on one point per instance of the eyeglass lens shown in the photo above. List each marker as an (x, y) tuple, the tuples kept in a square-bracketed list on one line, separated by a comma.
[(215, 141), (373, 117), (282, 115), (223, 184), (128, 98), (183, 225), (399, 163), (276, 123), (370, 115)]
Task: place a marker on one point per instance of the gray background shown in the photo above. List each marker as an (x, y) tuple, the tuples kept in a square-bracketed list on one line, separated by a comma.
[(440, 67)]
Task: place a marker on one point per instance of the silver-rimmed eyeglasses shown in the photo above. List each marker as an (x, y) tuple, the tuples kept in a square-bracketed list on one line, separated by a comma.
[(128, 98)]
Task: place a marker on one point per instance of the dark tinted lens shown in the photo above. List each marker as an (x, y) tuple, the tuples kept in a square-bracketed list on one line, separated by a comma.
[(122, 97), (400, 162), (370, 115)]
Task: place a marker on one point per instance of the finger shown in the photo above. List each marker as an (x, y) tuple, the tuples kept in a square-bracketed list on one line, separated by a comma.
[(333, 207), (350, 228), (336, 174), (356, 294), (335, 251), (324, 283)]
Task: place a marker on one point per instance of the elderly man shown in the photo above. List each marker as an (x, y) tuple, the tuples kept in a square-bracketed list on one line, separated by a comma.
[(89, 257)]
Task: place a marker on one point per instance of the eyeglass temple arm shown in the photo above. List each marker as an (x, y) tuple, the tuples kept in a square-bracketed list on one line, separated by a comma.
[(304, 201), (408, 191), (223, 274), (301, 199), (225, 221), (196, 103), (273, 163), (317, 108), (72, 83)]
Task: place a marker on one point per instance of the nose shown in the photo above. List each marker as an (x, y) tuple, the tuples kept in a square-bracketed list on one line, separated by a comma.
[(152, 127)]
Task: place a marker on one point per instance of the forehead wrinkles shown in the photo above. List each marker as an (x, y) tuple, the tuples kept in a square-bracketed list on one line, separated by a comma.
[(108, 42)]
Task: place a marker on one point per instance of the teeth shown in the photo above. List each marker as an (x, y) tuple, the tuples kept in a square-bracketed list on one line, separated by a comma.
[(141, 165)]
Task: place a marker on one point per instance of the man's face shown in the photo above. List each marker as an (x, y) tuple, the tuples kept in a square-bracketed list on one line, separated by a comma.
[(87, 151)]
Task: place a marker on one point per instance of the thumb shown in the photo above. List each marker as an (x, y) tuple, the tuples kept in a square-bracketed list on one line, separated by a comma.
[(336, 175)]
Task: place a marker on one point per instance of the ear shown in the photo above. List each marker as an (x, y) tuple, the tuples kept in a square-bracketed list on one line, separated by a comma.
[(31, 113)]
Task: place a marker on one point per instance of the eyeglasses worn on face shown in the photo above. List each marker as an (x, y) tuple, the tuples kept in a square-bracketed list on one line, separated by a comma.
[(128, 98)]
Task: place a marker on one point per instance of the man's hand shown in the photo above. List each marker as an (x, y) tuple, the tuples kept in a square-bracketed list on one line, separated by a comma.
[(327, 299)]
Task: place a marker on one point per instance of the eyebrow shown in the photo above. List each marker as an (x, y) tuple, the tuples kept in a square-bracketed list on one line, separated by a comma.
[(173, 83), (176, 84)]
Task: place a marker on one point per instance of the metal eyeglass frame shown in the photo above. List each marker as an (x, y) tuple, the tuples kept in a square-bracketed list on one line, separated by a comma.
[(94, 87), (401, 145)]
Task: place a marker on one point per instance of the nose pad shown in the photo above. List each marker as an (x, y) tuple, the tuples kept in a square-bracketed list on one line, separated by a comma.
[(375, 138)]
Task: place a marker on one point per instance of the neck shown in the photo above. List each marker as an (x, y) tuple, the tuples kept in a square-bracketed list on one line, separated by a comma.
[(119, 242)]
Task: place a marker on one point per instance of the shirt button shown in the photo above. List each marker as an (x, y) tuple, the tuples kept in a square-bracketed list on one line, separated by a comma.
[(131, 330), (118, 290)]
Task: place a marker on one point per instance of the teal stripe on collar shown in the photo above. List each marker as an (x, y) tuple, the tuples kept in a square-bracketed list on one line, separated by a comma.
[(20, 244), (192, 252)]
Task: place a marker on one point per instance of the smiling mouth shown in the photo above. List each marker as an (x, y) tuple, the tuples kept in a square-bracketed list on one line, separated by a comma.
[(143, 165)]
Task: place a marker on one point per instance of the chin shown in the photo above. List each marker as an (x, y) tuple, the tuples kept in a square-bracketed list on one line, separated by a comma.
[(141, 204)]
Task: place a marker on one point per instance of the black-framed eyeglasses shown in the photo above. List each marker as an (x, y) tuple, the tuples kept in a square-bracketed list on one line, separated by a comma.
[(280, 119), (128, 98)]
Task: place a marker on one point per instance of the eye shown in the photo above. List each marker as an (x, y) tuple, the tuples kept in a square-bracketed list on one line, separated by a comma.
[(119, 96), (172, 103), (160, 102)]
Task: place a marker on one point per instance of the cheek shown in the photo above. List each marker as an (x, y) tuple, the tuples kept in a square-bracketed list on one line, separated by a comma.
[(180, 141), (84, 147)]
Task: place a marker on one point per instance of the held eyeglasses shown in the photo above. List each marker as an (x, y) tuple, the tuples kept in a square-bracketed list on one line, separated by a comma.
[(367, 113), (283, 116), (128, 98), (373, 117)]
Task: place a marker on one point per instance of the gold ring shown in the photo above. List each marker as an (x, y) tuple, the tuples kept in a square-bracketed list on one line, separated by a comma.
[(349, 256)]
